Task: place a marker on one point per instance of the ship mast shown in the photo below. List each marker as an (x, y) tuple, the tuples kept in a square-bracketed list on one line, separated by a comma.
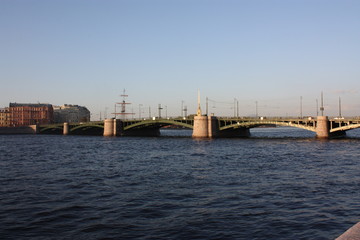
[(122, 104)]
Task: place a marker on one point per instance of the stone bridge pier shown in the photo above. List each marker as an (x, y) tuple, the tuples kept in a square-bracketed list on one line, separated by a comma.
[(208, 127), (323, 129), (115, 127), (66, 128), (201, 127), (112, 127)]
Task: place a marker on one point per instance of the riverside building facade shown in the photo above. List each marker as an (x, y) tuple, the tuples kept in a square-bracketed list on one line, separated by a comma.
[(24, 114), (4, 117), (71, 113)]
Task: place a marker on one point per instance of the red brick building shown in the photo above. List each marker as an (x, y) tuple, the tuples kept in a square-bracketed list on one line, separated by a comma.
[(23, 114)]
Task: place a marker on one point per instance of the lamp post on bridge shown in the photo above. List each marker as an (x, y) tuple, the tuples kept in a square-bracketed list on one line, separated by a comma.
[(182, 108), (159, 108), (140, 105), (301, 113), (236, 107), (256, 109), (340, 115)]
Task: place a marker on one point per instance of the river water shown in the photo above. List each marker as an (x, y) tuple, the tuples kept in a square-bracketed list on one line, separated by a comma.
[(279, 184)]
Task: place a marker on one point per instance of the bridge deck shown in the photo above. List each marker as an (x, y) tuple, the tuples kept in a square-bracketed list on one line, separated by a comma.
[(223, 123)]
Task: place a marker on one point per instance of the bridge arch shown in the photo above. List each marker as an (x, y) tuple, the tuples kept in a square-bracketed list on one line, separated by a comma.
[(158, 124), (268, 123), (87, 129), (86, 126), (51, 130), (345, 128)]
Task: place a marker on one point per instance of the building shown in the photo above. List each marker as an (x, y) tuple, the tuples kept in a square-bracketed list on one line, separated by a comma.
[(24, 114), (71, 113), (4, 117)]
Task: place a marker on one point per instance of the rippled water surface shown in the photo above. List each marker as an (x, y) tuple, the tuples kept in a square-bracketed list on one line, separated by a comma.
[(279, 184)]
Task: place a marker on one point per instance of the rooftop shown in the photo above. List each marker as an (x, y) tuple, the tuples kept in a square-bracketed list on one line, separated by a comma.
[(29, 105)]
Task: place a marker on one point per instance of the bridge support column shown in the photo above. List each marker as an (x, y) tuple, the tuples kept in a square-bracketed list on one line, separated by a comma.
[(118, 127), (109, 127), (201, 127), (66, 128), (35, 128), (322, 127), (213, 127), (115, 129)]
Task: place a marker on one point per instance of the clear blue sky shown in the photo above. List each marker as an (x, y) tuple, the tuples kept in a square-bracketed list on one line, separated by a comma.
[(86, 52)]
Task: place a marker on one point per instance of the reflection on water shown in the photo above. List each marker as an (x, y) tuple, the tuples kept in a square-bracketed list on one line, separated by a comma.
[(271, 132)]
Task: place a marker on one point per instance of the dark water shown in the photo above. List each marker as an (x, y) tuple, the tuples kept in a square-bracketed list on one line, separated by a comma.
[(279, 184)]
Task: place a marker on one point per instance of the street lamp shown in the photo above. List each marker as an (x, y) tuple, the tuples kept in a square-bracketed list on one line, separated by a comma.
[(256, 109), (340, 116), (140, 111), (301, 113), (182, 108), (160, 108)]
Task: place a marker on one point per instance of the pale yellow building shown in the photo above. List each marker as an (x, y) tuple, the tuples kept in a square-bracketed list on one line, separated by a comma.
[(4, 117)]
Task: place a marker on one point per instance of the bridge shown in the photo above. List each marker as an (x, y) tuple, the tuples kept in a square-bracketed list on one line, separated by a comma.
[(203, 126)]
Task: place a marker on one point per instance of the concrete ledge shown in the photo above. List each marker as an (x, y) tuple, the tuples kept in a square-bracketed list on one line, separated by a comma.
[(352, 233)]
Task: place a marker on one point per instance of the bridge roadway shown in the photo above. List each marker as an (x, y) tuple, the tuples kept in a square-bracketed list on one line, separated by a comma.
[(210, 126)]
